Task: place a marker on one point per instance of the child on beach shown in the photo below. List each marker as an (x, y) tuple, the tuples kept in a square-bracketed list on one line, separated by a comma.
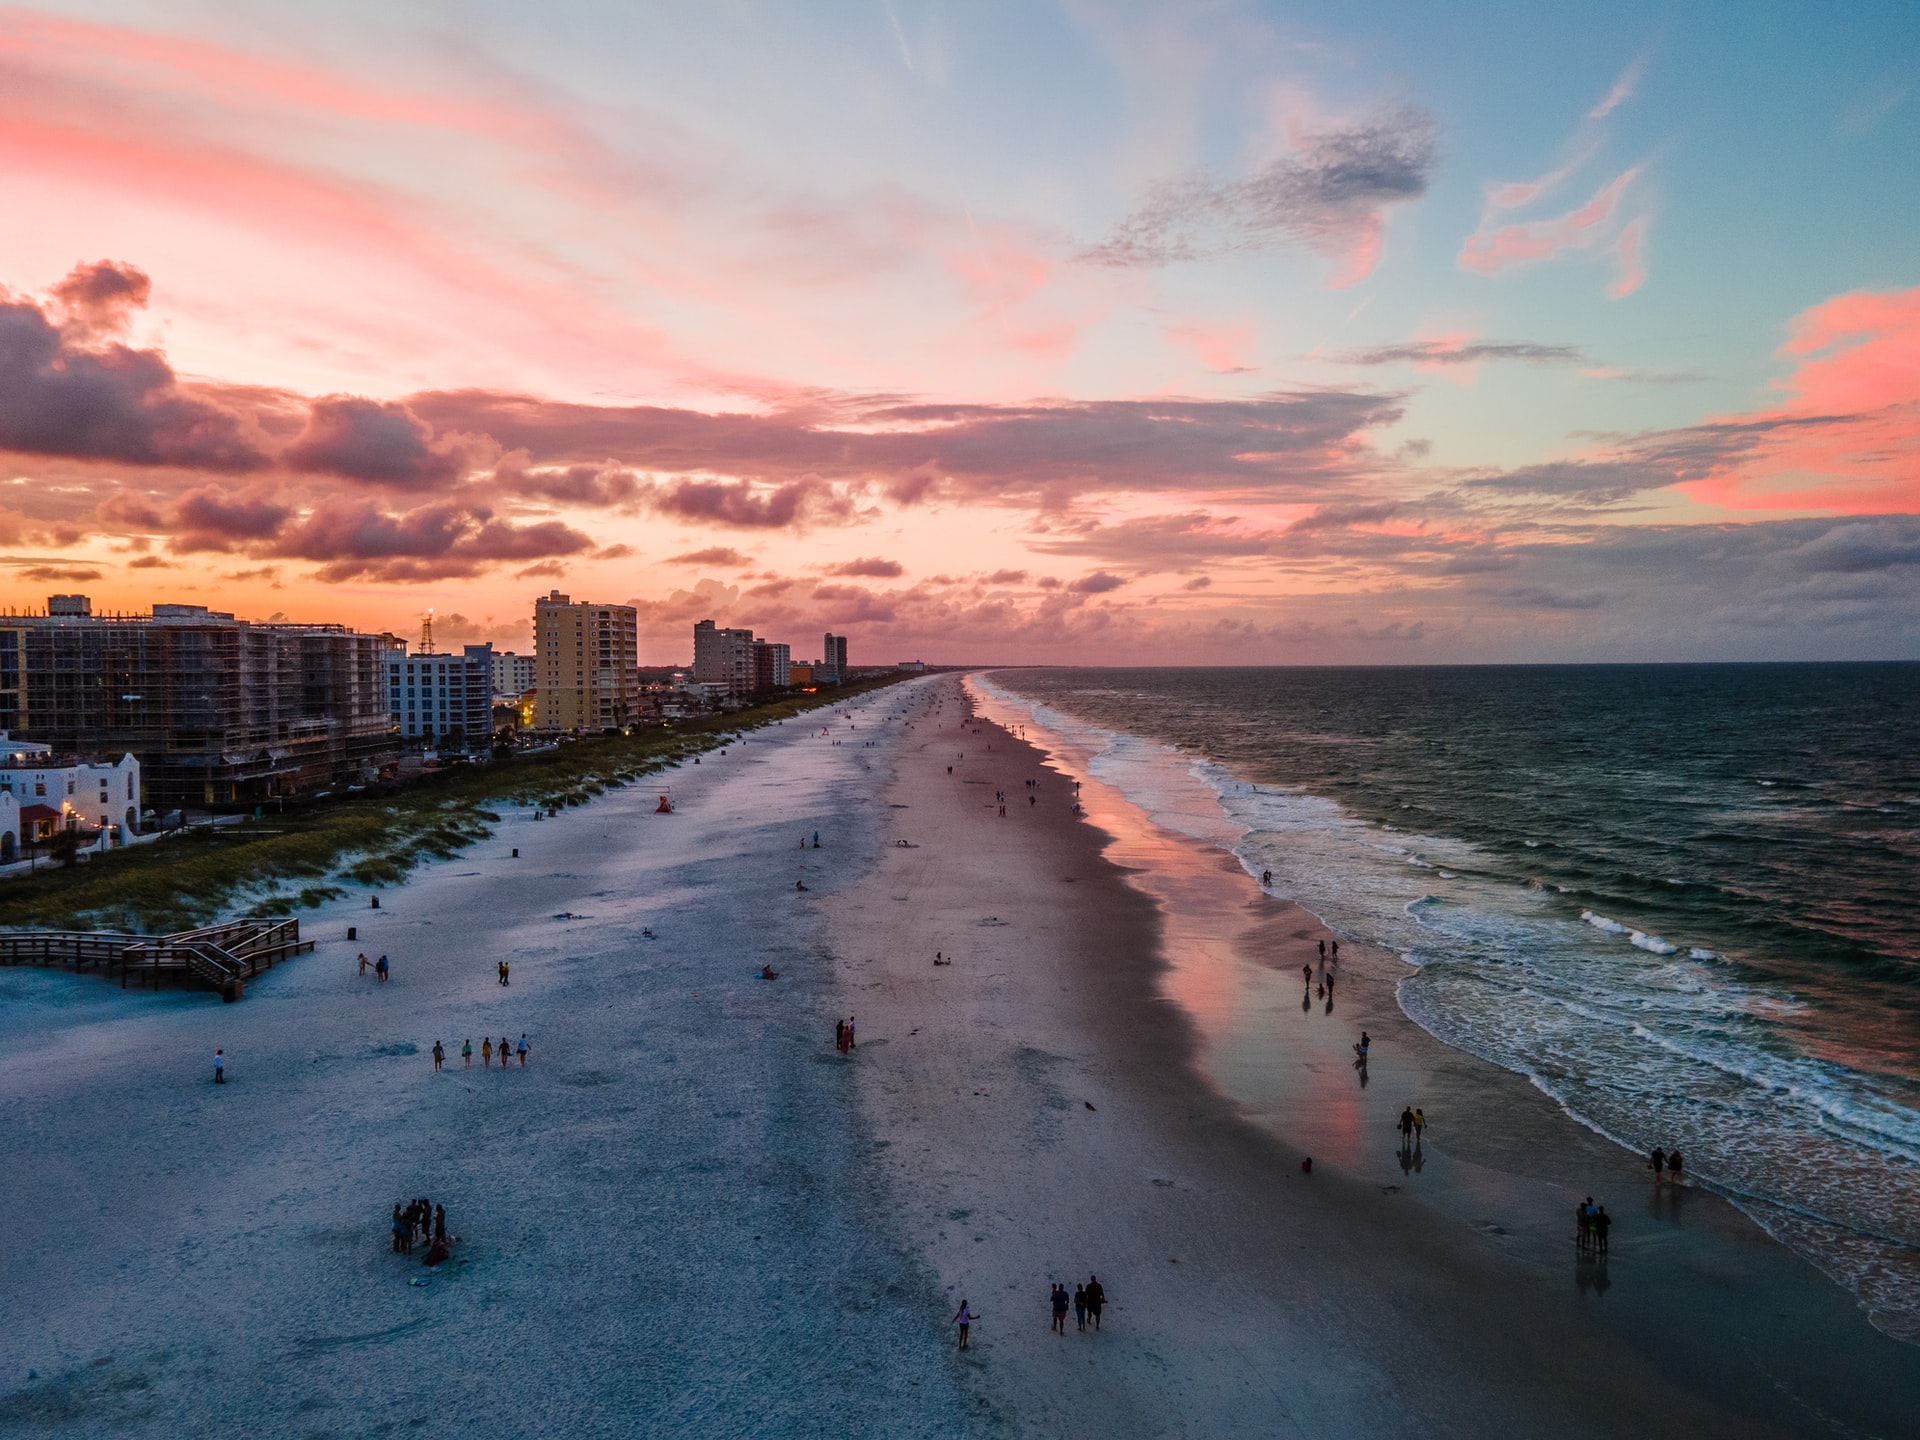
[(364, 963), (219, 1067), (963, 1317), (466, 1054)]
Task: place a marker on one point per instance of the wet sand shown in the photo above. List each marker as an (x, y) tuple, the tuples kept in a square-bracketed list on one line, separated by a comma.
[(1057, 1103)]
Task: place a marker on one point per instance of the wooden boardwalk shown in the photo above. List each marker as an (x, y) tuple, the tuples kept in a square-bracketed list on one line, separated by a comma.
[(220, 957)]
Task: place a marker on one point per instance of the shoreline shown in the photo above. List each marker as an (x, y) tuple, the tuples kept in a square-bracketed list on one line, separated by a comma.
[(1878, 1292), (1460, 1267)]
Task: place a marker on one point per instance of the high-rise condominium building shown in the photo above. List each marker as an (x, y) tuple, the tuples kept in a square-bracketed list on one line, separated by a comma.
[(723, 657), (772, 665), (833, 658), (587, 659), (218, 711), (442, 697)]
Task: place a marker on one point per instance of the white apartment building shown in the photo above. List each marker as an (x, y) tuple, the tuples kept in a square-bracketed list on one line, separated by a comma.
[(513, 674), (50, 793), (442, 697)]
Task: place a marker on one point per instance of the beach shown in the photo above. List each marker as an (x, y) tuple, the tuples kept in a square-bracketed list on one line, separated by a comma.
[(689, 1215)]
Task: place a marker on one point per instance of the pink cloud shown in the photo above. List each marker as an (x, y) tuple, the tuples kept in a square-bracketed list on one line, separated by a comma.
[(1630, 255), (1492, 253), (1220, 345)]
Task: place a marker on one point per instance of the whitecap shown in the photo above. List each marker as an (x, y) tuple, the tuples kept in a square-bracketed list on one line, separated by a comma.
[(1652, 943), (1601, 922)]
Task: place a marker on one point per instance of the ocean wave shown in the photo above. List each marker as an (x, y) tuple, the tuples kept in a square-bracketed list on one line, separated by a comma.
[(1643, 1042)]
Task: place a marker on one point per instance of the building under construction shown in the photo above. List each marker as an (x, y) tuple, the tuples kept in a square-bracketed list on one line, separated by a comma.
[(219, 711)]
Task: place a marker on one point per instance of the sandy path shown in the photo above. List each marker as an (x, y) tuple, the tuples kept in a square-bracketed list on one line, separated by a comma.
[(671, 1225), (1246, 1298)]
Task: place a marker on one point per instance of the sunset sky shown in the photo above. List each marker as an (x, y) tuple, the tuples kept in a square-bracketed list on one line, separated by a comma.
[(1078, 331)]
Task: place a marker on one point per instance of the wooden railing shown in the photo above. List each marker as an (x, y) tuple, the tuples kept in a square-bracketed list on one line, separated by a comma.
[(219, 956)]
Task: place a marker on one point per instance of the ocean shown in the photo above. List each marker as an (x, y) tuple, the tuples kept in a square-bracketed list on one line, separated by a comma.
[(1682, 900)]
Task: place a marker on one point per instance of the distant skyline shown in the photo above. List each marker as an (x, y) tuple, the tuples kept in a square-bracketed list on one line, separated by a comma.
[(1084, 332)]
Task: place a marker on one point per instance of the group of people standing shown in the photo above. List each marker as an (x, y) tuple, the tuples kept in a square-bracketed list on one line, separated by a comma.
[(1591, 1223), (843, 1035), (381, 970), (420, 1220), (486, 1052), (1087, 1300), (1667, 1165)]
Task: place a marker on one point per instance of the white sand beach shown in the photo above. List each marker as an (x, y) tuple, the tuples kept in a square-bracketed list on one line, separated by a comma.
[(689, 1216)]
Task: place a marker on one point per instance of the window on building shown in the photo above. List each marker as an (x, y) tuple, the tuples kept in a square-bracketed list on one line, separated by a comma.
[(39, 787)]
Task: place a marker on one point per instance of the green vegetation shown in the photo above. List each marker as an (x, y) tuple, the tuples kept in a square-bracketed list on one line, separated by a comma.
[(284, 862)]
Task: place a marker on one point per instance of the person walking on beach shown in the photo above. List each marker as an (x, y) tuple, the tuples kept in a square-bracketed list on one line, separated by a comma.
[(402, 1232), (486, 1052), (1675, 1166), (840, 1036), (1419, 1124), (506, 1049), (1336, 952), (1096, 1299), (1080, 1307), (1365, 1044), (1058, 1299), (963, 1317), (1583, 1224), (364, 963), (466, 1053), (1406, 1127), (1306, 972), (381, 969), (523, 1049), (439, 1056), (503, 972), (1657, 1162), (1601, 1222), (219, 1067), (1323, 952)]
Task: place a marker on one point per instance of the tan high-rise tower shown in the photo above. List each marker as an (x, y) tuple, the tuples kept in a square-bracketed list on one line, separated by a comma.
[(585, 659)]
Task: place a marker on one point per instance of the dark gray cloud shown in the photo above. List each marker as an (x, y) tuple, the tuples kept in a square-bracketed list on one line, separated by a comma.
[(1325, 195), (59, 396), (1436, 352), (1097, 583), (712, 555), (357, 538), (797, 466), (375, 440), (871, 569)]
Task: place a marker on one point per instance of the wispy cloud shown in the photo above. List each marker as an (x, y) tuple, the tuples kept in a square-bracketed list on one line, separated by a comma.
[(1623, 90), (1329, 194), (1443, 352)]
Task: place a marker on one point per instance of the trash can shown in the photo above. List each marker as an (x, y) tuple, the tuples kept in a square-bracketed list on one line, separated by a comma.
[(353, 932), (232, 991)]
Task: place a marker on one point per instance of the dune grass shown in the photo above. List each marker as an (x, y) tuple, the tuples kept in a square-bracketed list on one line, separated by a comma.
[(304, 857)]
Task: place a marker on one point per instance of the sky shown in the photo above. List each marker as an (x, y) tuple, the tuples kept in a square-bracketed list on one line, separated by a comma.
[(1073, 332)]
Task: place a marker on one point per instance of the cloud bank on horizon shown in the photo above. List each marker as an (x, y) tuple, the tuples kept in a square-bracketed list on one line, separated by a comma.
[(1113, 333)]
